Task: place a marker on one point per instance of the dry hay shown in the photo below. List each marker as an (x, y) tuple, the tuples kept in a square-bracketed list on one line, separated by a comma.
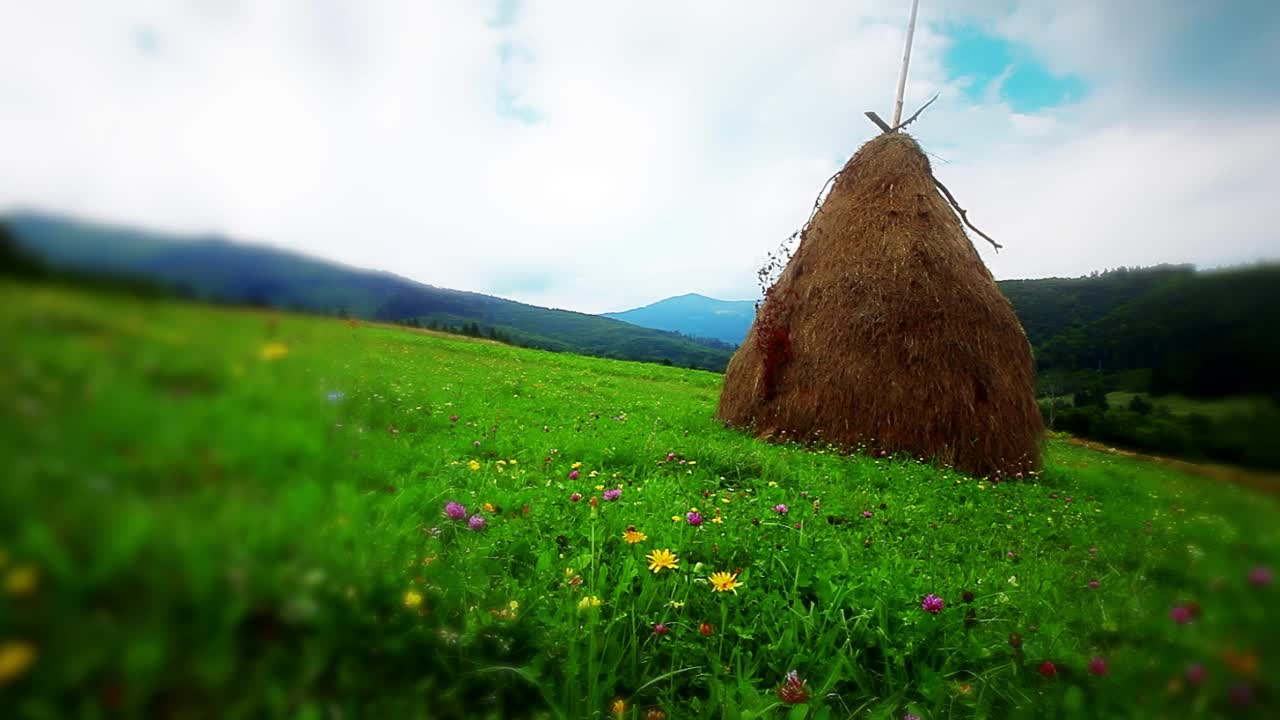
[(886, 331)]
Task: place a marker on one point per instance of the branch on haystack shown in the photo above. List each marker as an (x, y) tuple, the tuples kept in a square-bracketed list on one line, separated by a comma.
[(963, 215), (879, 123), (912, 119)]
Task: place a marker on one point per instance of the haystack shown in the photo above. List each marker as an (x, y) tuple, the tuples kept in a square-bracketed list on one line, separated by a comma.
[(886, 331)]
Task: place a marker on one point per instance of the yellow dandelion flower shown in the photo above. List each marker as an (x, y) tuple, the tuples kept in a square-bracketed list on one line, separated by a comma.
[(413, 599), (599, 487), (588, 602), (575, 466), (15, 658), (568, 572), (513, 462), (726, 500), (773, 483), (633, 536), (619, 707), (675, 518), (474, 465), (22, 580), (502, 462), (724, 582), (592, 474), (694, 509), (487, 507), (274, 351), (663, 560), (717, 520)]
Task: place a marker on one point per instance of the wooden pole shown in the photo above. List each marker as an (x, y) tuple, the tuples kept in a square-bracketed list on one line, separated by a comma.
[(906, 60)]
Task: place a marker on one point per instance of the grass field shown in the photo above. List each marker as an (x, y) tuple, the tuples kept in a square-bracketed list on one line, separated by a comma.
[(217, 513), (1215, 408)]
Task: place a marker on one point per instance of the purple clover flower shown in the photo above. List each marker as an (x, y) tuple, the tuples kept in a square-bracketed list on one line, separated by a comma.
[(932, 604), (695, 519), (476, 522), (781, 509), (1261, 576), (612, 494), (455, 510)]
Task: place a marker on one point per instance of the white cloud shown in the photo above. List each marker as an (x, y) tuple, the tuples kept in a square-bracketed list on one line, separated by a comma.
[(675, 144)]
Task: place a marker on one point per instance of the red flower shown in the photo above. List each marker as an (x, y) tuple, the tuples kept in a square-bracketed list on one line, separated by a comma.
[(1048, 669), (793, 690), (705, 629)]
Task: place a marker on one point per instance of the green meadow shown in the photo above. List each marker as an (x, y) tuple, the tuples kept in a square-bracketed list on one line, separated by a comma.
[(209, 513)]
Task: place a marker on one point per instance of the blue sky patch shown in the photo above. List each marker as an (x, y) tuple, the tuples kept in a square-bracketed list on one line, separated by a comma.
[(986, 64)]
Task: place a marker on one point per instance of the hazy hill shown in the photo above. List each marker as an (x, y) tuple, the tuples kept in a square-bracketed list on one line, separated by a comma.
[(697, 315), (215, 268)]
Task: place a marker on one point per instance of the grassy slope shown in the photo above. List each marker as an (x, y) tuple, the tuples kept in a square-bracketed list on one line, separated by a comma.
[(214, 533)]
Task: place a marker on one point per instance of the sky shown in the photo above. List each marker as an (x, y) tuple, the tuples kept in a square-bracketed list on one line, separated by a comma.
[(597, 155)]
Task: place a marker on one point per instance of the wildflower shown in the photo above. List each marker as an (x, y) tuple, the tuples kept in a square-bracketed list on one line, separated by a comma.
[(781, 509), (599, 487), (594, 501), (274, 351), (1098, 666), (633, 536), (575, 466), (675, 604), (1260, 576), (1245, 663), (455, 510), (793, 690), (1093, 550), (1015, 640), (453, 418), (1048, 669), (413, 599), (676, 518), (706, 629), (15, 658), (1094, 584), (909, 716), (476, 522), (662, 560), (593, 473), (655, 714), (694, 518), (1196, 673), (660, 629), (22, 580), (866, 513), (717, 520), (612, 494), (619, 707), (588, 602), (573, 474), (575, 497), (474, 465), (1180, 614), (932, 604), (487, 507), (1241, 694), (725, 582), (773, 483)]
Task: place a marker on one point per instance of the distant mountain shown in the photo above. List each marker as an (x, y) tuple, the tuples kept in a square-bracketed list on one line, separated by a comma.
[(214, 268), (695, 315)]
